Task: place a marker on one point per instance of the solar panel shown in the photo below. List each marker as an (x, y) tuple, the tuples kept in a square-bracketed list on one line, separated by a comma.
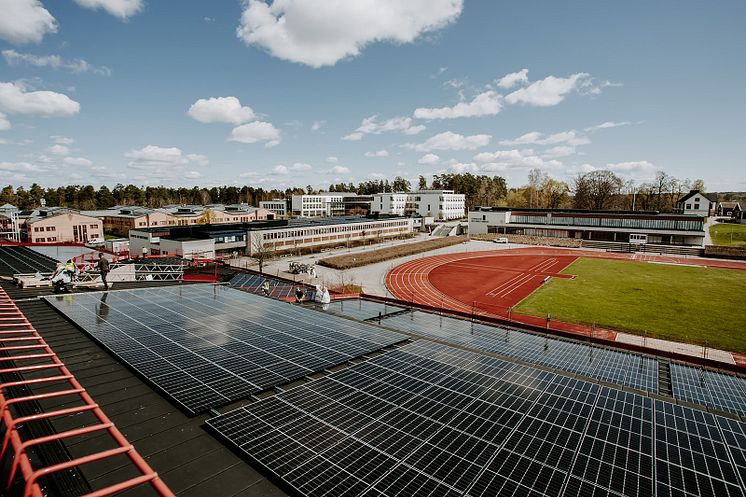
[(710, 388), (428, 419), (632, 370), (206, 345), (278, 289), (362, 309)]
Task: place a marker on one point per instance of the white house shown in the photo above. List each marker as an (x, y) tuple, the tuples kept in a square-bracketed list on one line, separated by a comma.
[(320, 205), (440, 204), (695, 203)]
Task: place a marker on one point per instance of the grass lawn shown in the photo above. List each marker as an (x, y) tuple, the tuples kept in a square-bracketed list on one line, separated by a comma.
[(721, 234), (684, 304)]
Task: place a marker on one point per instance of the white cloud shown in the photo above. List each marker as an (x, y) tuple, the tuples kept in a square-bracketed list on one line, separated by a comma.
[(548, 91), (332, 160), (54, 61), (567, 137), (62, 140), (608, 124), (280, 170), (258, 131), (371, 126), (192, 175), (15, 100), (339, 170), (220, 110), (484, 104), (428, 159), (322, 32), (451, 141), (560, 151), (462, 167), (632, 167), (377, 153), (77, 161), (317, 125), (514, 78), (19, 167), (4, 123), (58, 149), (153, 155), (118, 8), (25, 21), (300, 167)]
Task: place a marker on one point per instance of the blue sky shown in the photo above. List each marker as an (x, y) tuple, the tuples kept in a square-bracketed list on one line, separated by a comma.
[(321, 91)]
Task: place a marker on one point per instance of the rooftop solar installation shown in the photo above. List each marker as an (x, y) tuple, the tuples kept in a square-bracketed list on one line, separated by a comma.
[(429, 419), (362, 309), (622, 368), (278, 289), (17, 260), (206, 346), (710, 388)]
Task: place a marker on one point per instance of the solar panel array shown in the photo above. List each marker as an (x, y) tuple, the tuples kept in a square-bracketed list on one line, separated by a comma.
[(278, 289), (632, 370), (362, 309), (428, 419), (710, 388), (206, 345), (15, 260)]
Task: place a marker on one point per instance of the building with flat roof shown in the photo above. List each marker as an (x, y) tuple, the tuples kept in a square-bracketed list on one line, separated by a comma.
[(51, 225), (442, 205), (322, 204), (279, 206), (606, 226)]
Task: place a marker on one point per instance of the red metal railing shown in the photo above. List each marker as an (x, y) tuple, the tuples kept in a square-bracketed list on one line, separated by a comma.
[(21, 343)]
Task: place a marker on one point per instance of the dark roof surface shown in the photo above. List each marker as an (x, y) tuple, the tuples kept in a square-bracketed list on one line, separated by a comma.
[(192, 462)]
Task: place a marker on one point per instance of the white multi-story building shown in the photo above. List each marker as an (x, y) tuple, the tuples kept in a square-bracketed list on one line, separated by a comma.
[(440, 204), (277, 206), (319, 205)]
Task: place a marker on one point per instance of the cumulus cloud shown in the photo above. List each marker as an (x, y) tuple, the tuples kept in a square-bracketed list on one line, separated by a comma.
[(122, 9), (301, 167), (428, 159), (632, 167), (377, 153), (13, 57), (15, 100), (25, 21), (484, 104), (77, 161), (322, 32), (339, 170), (463, 167), (548, 91), (62, 140), (19, 167), (220, 110), (607, 125), (192, 175), (514, 78), (451, 141), (567, 137), (332, 160), (317, 125), (58, 149), (371, 126), (258, 131), (4, 123), (280, 170), (153, 155)]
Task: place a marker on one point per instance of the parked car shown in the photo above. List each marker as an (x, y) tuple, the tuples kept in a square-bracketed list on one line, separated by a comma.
[(500, 240)]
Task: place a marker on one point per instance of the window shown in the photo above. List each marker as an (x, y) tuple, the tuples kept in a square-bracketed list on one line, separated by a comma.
[(688, 206), (50, 228), (696, 206)]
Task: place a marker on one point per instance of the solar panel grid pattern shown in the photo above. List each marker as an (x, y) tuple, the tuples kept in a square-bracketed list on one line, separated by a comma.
[(632, 370), (722, 391), (278, 289), (362, 309), (428, 419), (206, 345)]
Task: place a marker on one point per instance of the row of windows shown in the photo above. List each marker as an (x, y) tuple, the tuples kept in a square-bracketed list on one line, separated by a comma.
[(331, 229), (659, 224)]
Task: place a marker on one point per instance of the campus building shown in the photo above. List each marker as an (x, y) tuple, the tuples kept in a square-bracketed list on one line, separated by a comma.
[(606, 226), (278, 207), (442, 205), (323, 204), (59, 225)]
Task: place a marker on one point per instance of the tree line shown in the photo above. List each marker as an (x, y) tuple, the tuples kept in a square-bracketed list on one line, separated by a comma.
[(599, 189)]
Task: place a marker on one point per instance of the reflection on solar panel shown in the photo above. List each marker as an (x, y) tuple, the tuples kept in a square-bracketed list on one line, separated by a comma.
[(278, 289), (362, 309), (622, 368), (710, 388), (206, 345), (428, 419)]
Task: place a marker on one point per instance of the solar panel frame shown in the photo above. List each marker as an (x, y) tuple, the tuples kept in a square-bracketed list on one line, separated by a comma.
[(248, 345)]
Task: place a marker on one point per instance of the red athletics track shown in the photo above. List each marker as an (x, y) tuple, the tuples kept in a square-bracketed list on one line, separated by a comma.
[(490, 283)]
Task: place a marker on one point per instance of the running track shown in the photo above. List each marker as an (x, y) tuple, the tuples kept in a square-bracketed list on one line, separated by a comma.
[(490, 283)]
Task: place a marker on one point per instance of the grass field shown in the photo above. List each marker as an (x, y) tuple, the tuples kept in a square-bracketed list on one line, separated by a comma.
[(728, 234), (685, 304)]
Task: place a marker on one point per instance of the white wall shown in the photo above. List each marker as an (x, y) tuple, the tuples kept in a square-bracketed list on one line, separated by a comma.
[(189, 249), (700, 201)]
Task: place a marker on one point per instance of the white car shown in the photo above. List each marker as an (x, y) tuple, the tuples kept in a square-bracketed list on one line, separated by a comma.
[(500, 240)]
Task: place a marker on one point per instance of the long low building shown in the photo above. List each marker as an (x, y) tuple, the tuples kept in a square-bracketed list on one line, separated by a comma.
[(606, 226)]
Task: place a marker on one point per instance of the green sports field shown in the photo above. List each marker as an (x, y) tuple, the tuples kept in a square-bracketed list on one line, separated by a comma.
[(681, 303)]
